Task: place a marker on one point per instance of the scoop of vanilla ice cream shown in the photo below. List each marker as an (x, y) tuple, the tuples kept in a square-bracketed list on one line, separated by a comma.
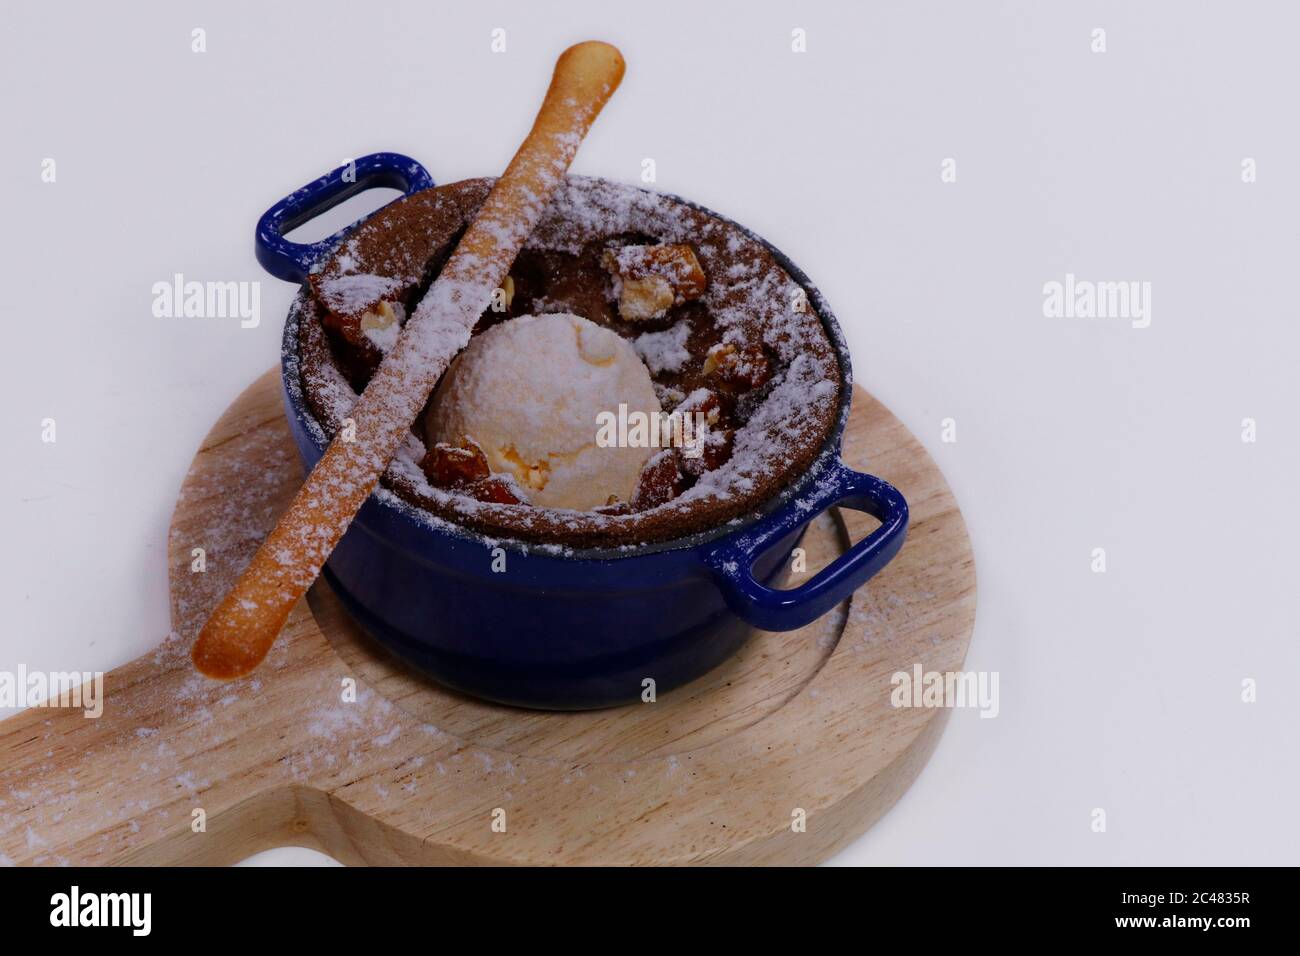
[(529, 391)]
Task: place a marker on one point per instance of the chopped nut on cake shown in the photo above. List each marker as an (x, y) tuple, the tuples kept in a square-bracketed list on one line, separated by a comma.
[(710, 452), (463, 467), (365, 309), (497, 490), (382, 323), (660, 482), (649, 280), (455, 466), (701, 401), (503, 297), (702, 439), (613, 507), (738, 369)]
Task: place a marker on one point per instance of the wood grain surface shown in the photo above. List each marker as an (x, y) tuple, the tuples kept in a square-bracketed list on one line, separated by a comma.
[(408, 772)]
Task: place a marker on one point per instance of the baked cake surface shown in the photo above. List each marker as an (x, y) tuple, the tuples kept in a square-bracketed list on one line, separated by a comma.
[(745, 344)]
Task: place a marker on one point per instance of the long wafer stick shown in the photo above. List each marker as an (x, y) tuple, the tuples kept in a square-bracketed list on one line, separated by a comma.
[(242, 629)]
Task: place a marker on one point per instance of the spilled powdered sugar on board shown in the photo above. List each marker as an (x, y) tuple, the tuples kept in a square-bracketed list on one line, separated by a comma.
[(170, 741)]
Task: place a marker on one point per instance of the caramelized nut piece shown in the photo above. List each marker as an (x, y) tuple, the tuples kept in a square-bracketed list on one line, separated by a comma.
[(669, 396), (647, 298), (495, 490), (613, 507), (652, 279), (502, 297), (361, 308), (382, 316), (703, 401), (712, 452), (660, 482), (738, 369), (382, 324), (717, 355), (686, 427), (709, 446), (452, 466)]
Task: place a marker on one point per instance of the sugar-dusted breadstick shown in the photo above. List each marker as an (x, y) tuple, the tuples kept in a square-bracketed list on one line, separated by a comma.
[(242, 628)]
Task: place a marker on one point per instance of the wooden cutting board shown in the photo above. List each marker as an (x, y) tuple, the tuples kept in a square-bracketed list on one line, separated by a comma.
[(781, 755)]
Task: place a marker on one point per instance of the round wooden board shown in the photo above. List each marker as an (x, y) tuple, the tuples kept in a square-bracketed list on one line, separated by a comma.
[(796, 725)]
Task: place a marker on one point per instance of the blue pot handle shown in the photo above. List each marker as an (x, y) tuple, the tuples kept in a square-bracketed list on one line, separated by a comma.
[(293, 260), (773, 610)]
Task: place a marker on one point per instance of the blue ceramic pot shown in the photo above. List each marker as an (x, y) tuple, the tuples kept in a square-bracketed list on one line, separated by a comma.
[(589, 628)]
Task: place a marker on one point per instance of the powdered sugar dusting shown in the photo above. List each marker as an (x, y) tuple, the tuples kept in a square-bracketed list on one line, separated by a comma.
[(664, 351), (354, 293), (749, 298)]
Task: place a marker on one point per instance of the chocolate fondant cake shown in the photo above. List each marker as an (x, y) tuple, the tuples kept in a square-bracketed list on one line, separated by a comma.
[(723, 330)]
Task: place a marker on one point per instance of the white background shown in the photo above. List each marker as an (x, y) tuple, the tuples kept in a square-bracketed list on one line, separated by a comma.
[(1119, 690)]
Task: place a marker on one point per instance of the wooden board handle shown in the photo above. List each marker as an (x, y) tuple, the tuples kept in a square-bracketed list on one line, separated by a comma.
[(242, 629), (125, 787)]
